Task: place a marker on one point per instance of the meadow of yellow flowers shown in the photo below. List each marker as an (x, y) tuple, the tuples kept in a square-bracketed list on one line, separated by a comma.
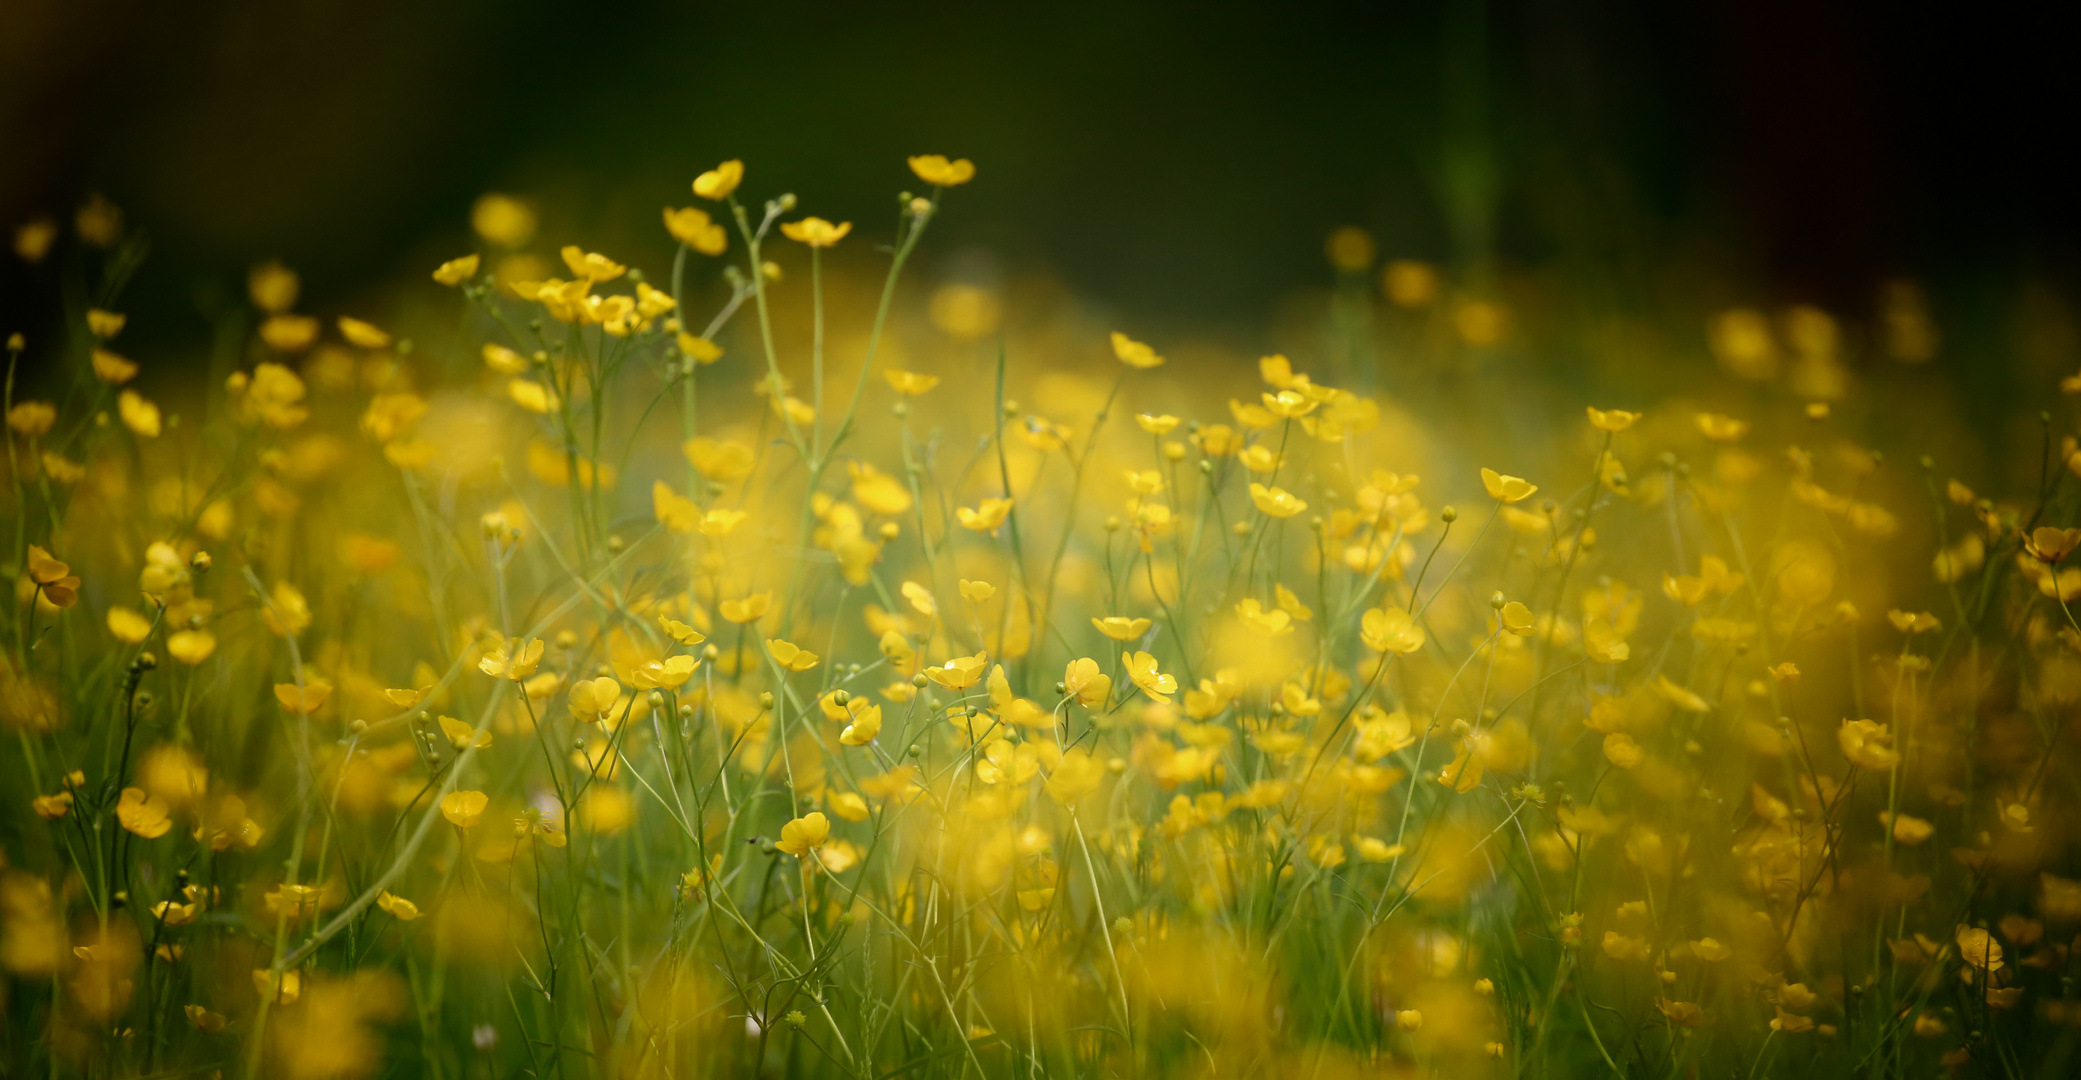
[(751, 667)]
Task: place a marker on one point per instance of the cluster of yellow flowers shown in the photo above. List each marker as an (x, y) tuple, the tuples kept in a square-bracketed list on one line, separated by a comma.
[(821, 689)]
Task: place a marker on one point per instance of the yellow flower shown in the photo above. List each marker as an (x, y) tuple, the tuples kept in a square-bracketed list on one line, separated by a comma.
[(1275, 501), (1083, 680), (1391, 630), (457, 271), (702, 350), (401, 909), (670, 673), (1720, 428), (145, 816), (1375, 850), (33, 240), (272, 287), (591, 700), (988, 515), (365, 334), (1133, 353), (747, 610), (1507, 489), (1868, 745), (112, 369), (975, 592), (848, 805), (1289, 404), (462, 735), (693, 227), (867, 723), (1622, 751), (936, 170), (128, 626), (789, 656), (514, 659), (920, 599), (1516, 618), (1121, 628), (815, 231), (1156, 424), (1977, 947), (1906, 829), (804, 834), (716, 184), (960, 672), (1078, 774), (503, 220), (139, 414), (1908, 622), (290, 333), (591, 265), (52, 807), (105, 324), (680, 632), (32, 419), (464, 808), (674, 511), (1611, 420), (55, 580), (1270, 622), (910, 382), (191, 647), (1141, 669), (303, 700)]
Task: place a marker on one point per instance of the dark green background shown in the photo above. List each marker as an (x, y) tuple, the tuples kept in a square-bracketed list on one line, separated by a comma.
[(1180, 161)]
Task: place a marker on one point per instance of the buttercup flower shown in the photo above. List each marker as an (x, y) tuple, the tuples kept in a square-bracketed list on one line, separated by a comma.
[(936, 170), (815, 231), (1133, 353), (1506, 489), (719, 182), (804, 834)]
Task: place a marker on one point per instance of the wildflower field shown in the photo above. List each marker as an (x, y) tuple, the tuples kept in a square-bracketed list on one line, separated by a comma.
[(768, 664)]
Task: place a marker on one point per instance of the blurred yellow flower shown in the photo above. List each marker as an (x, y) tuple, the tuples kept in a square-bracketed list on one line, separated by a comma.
[(1121, 628), (591, 265), (1391, 630), (401, 909), (146, 816), (139, 414), (693, 227), (716, 184), (909, 382), (1133, 353), (463, 809), (1275, 501), (503, 220), (936, 170), (790, 656), (815, 231), (1506, 489), (747, 609), (272, 287), (457, 271), (987, 515), (1611, 420), (514, 659), (1868, 745)]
